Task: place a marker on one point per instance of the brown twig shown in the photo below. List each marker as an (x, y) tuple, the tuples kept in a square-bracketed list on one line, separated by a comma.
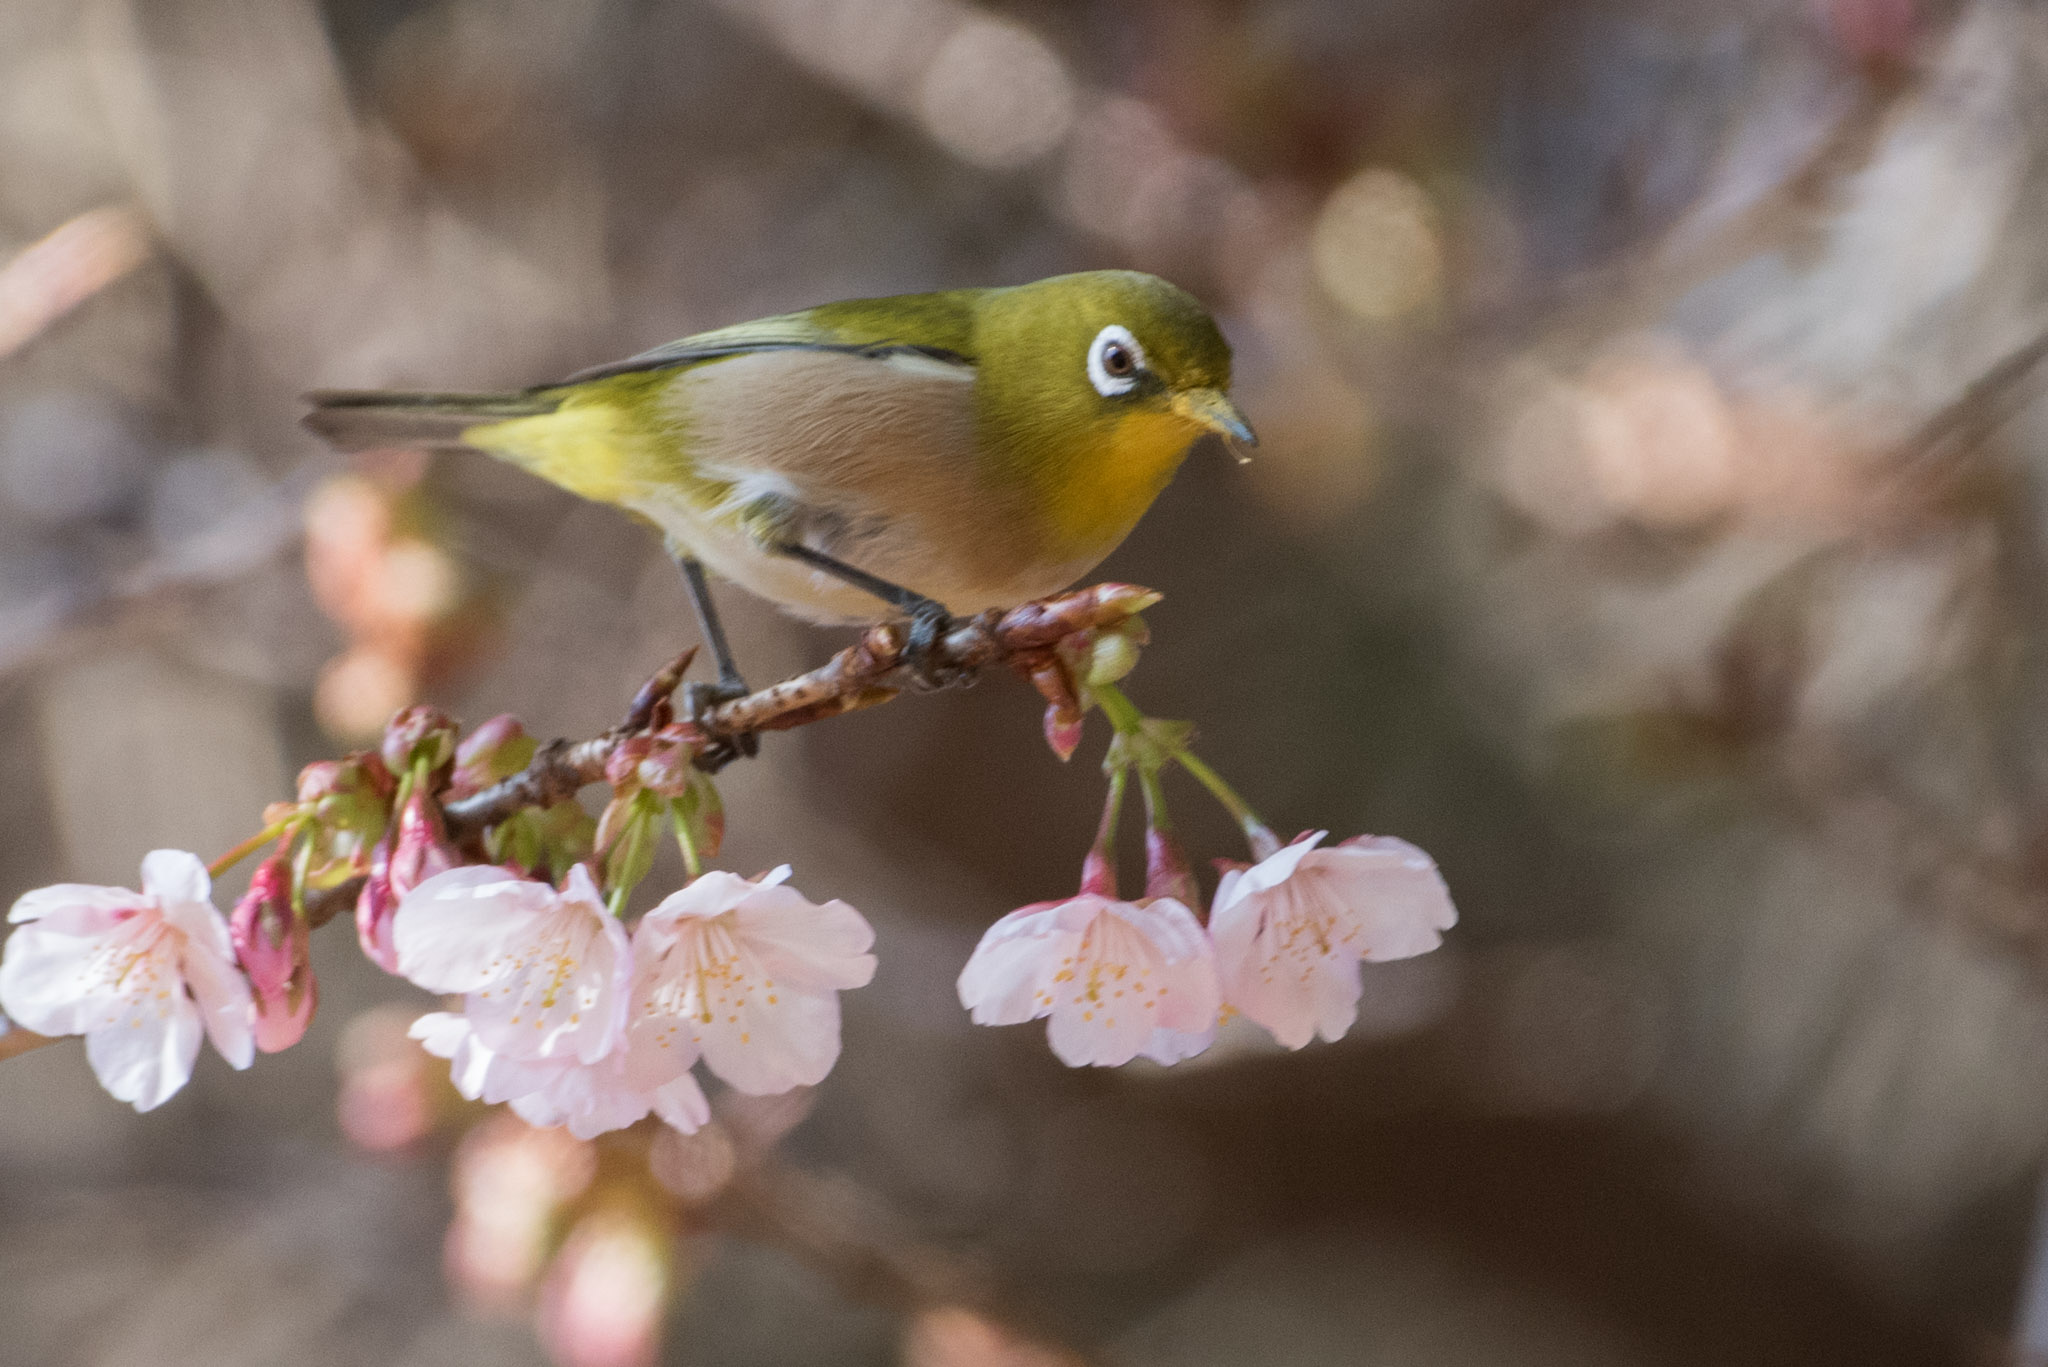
[(870, 671)]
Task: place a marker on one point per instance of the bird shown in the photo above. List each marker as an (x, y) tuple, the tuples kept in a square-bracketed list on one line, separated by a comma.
[(921, 455)]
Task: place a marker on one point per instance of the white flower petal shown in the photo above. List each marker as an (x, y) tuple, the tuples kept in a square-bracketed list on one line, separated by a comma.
[(226, 1007), (1008, 978), (807, 944), (53, 977), (33, 906), (176, 876), (146, 1055), (1145, 982), (747, 975), (1400, 897), (203, 927), (455, 931), (1112, 975), (561, 994), (762, 1046), (708, 895), (1289, 947), (682, 1104), (1278, 867), (1171, 1046)]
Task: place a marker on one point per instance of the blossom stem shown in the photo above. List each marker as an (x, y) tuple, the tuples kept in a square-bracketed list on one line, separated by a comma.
[(1155, 799), (1098, 870), (248, 847), (1128, 721), (1123, 714), (1256, 832), (693, 861)]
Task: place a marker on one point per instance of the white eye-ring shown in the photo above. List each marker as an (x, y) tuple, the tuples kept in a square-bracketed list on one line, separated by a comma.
[(1114, 360)]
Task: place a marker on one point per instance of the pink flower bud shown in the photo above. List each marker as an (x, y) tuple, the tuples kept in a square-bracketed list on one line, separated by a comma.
[(271, 946), (607, 1291), (510, 1184), (493, 752), (407, 856), (418, 735), (1063, 711)]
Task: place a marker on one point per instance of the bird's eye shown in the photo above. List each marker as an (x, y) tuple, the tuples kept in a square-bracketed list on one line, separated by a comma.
[(1114, 360)]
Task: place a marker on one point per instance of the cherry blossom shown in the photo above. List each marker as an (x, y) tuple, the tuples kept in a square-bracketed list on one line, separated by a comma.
[(748, 973), (1118, 979), (1291, 930), (589, 1098), (543, 973), (139, 974)]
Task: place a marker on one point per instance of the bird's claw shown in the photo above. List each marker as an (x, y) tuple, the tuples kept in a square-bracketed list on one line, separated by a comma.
[(929, 624), (699, 698)]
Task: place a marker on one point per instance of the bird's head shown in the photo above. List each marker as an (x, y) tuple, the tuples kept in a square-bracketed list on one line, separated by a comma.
[(1098, 383)]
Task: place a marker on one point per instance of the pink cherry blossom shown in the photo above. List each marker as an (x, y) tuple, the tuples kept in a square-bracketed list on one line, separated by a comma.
[(543, 973), (1291, 930), (1118, 978), (139, 974), (589, 1098), (748, 972)]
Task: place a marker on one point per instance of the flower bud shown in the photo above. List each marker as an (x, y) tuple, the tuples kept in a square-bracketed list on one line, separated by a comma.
[(418, 735), (362, 774), (510, 1184), (492, 753), (414, 851), (271, 946), (622, 766), (349, 803), (544, 842), (668, 767), (1105, 655), (608, 1290), (1063, 712)]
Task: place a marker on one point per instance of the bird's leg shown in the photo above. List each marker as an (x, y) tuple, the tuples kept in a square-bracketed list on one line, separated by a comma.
[(699, 698), (929, 620)]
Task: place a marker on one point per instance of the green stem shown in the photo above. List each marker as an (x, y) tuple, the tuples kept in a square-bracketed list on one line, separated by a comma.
[(249, 847), (1125, 717), (1113, 806), (1098, 869), (1256, 832), (1123, 714), (1155, 798), (617, 901), (692, 860)]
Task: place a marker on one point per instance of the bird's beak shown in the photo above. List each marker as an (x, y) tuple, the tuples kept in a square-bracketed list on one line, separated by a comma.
[(1211, 409)]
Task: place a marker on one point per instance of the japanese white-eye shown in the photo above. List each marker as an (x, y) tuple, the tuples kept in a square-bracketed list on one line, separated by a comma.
[(973, 448)]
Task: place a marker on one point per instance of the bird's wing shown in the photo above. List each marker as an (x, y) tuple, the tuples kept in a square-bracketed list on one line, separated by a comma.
[(934, 327)]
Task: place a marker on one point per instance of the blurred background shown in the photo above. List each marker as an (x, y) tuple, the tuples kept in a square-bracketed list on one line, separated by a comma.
[(1650, 523)]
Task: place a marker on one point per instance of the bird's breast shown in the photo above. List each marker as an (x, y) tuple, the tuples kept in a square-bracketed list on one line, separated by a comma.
[(878, 462)]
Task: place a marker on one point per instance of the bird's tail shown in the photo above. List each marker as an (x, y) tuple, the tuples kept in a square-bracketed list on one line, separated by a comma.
[(364, 419)]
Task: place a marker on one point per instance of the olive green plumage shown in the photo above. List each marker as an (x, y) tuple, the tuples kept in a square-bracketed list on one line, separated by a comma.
[(979, 447)]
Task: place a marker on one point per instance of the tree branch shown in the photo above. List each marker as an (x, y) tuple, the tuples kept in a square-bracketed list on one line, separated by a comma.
[(871, 671)]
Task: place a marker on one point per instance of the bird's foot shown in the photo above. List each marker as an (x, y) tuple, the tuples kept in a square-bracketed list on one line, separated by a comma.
[(929, 624), (699, 698)]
